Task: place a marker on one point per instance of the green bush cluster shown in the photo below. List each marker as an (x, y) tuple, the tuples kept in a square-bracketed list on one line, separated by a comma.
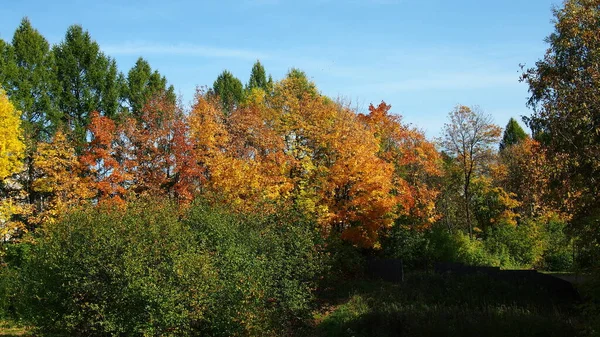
[(535, 243), (268, 268), (150, 269)]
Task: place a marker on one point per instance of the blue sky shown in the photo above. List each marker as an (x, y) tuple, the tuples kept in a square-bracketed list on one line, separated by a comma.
[(422, 57)]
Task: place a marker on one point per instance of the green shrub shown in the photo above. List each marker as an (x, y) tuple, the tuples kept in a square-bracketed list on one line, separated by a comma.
[(108, 271), (408, 244), (558, 255), (515, 246), (267, 269), (14, 255)]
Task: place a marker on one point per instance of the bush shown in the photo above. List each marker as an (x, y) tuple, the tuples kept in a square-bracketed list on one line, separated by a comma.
[(518, 246), (558, 255), (148, 270), (268, 267), (424, 249), (104, 271), (14, 255), (408, 244)]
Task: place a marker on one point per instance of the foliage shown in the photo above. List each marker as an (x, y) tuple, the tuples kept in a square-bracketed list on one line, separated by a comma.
[(12, 151), (100, 157), (142, 84), (106, 271), (11, 140), (30, 81), (59, 180), (258, 78), (416, 163), (565, 96), (268, 267)]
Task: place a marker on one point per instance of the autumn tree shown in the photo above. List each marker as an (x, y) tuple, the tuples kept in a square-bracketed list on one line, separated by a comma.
[(11, 139), (59, 181), (469, 137), (102, 156), (513, 134), (12, 151), (416, 163), (159, 149), (565, 97), (333, 162), (228, 174), (533, 176)]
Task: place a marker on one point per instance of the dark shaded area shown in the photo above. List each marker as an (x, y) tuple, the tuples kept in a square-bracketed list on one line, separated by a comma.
[(450, 304)]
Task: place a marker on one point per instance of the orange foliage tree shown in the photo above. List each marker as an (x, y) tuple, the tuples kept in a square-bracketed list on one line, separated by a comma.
[(159, 151), (416, 163), (108, 175)]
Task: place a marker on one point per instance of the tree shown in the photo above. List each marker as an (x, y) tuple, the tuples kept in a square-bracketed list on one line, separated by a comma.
[(143, 83), (416, 163), (159, 148), (513, 134), (12, 148), (88, 81), (30, 81), (12, 151), (101, 157), (258, 78), (468, 138), (59, 181), (229, 89), (565, 97)]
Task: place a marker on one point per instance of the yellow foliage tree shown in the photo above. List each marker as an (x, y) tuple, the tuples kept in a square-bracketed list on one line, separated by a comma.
[(12, 151), (60, 182), (12, 148)]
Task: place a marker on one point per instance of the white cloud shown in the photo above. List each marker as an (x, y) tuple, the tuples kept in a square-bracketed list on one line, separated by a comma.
[(182, 49), (447, 81)]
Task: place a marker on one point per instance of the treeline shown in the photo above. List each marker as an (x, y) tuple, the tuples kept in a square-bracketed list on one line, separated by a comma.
[(82, 143), (92, 134)]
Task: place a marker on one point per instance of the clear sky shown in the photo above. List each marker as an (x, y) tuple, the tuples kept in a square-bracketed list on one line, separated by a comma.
[(421, 56)]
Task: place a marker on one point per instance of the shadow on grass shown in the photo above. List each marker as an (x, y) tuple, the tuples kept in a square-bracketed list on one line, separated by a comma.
[(436, 305)]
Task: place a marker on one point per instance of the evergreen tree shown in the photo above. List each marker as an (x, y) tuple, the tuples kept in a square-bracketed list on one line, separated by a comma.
[(87, 81), (143, 83), (29, 79), (229, 89), (258, 77), (513, 134)]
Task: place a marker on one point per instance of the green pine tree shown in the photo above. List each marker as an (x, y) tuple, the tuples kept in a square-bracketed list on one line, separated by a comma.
[(513, 134), (258, 78), (142, 83), (87, 81), (229, 89)]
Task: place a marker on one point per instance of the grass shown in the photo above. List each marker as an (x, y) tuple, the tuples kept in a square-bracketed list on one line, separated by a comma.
[(10, 329), (434, 305)]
